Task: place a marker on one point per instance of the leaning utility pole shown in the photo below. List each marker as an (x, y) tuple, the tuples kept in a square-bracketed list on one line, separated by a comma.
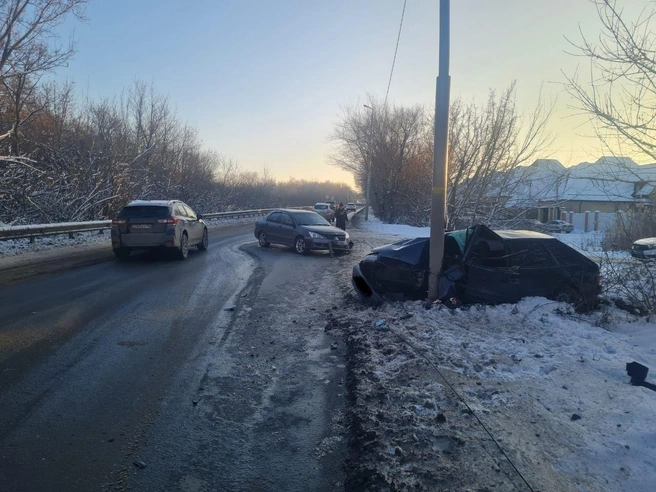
[(440, 152)]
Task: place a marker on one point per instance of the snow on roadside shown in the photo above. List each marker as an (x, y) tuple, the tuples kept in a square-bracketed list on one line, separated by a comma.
[(550, 386), (15, 247), (376, 226)]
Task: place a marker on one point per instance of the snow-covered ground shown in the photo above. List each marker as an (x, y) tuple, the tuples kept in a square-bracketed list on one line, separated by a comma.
[(548, 384), (374, 225), (14, 247)]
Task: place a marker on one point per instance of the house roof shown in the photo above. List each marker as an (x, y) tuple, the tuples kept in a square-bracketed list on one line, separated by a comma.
[(609, 179)]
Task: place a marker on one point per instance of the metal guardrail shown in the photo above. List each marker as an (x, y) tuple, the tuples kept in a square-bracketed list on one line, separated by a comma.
[(70, 228)]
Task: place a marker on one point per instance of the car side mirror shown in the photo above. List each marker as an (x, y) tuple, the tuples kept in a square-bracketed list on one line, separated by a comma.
[(200, 216)]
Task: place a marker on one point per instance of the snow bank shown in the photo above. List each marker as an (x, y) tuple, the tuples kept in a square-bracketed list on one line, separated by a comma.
[(375, 226), (548, 384)]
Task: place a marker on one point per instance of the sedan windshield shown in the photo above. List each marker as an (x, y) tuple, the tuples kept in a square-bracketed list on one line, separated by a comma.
[(310, 219)]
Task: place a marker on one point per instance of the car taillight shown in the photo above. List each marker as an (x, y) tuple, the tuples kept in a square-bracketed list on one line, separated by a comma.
[(168, 220), (118, 221)]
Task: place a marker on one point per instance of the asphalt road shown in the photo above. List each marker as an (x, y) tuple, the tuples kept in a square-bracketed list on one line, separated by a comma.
[(208, 374)]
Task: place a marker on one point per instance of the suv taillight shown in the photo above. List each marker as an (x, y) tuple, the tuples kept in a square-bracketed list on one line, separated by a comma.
[(168, 220), (118, 221)]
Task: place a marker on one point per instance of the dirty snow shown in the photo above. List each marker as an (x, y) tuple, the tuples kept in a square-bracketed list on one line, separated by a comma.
[(548, 384)]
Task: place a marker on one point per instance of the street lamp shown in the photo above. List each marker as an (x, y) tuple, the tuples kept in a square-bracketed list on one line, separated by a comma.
[(371, 158)]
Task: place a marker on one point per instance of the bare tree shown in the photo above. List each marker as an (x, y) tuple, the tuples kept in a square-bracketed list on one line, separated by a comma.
[(619, 95), (384, 141), (489, 148), (29, 45)]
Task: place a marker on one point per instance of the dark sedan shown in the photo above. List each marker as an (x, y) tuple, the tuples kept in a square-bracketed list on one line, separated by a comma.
[(303, 230), (481, 266)]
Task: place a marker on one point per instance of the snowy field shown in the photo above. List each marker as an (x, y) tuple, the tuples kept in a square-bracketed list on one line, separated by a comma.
[(19, 246), (549, 385)]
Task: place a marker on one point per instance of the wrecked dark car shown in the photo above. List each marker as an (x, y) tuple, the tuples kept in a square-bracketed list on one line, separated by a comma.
[(481, 266)]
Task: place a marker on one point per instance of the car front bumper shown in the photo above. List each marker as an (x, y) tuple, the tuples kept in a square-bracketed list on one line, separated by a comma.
[(318, 244), (362, 287)]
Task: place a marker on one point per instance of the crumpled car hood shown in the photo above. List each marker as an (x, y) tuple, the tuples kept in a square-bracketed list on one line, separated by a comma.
[(412, 251)]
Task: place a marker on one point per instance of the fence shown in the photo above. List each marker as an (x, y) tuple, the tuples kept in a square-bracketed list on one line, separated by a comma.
[(590, 221), (70, 228)]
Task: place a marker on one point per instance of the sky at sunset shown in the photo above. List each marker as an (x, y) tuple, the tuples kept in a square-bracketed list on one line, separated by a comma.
[(264, 81)]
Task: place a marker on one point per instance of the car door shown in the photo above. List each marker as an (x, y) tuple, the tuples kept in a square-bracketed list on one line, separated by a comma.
[(536, 266), (287, 231), (180, 214), (489, 277), (196, 228), (272, 227)]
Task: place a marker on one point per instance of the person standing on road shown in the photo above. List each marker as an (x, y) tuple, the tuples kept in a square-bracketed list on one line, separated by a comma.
[(341, 217)]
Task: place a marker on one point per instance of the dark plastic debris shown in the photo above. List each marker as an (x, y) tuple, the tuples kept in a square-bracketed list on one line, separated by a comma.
[(638, 373)]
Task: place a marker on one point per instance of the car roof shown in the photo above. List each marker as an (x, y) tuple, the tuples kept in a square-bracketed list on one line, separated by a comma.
[(321, 203), (645, 240), (523, 235), (151, 203)]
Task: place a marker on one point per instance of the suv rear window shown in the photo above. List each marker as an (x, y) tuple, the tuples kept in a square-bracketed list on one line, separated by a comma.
[(144, 211)]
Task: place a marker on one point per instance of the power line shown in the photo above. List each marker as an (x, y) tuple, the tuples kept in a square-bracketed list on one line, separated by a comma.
[(396, 49)]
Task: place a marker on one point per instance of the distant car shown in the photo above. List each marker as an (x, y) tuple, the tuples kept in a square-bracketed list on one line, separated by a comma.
[(481, 266), (644, 248), (558, 226), (303, 230), (158, 224), (350, 207), (325, 210)]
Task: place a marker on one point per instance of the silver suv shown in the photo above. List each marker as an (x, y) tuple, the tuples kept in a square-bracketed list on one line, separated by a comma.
[(325, 210), (150, 224)]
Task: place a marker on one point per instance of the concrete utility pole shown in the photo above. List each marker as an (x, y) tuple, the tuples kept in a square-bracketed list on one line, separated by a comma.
[(440, 149), (371, 158)]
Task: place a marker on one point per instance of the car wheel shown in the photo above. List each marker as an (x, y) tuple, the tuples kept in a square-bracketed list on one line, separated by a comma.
[(300, 246), (184, 247), (202, 246), (121, 253), (262, 239)]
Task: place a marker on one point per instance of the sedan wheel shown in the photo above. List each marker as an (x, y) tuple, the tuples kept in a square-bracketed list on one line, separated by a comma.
[(301, 247), (204, 243), (263, 240), (184, 247)]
